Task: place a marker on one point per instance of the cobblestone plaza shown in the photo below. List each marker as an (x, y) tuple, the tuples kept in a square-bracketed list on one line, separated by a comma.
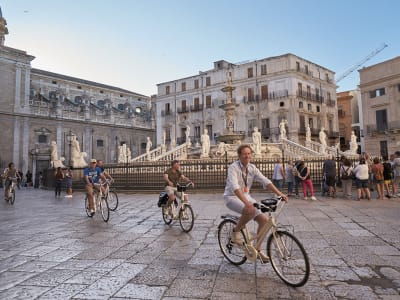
[(49, 249)]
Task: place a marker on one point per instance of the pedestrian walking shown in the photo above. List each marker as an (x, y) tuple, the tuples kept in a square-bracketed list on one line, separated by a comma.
[(28, 176)]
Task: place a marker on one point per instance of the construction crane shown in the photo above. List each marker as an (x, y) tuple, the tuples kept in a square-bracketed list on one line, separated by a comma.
[(371, 55)]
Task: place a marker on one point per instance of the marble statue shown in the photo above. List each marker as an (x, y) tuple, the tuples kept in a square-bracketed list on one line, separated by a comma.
[(282, 129), (149, 144), (54, 160), (163, 141), (77, 157), (322, 139), (322, 136), (205, 144), (257, 141), (229, 78), (221, 149), (308, 133), (353, 143), (122, 153), (187, 133)]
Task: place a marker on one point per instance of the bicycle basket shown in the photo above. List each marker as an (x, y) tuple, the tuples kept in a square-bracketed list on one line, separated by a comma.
[(181, 188), (162, 199), (269, 205)]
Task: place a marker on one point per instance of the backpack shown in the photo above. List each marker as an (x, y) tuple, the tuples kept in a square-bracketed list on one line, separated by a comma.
[(346, 174), (387, 171)]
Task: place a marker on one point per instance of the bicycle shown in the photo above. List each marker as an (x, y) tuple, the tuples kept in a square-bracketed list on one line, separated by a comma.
[(185, 211), (11, 190), (100, 200), (286, 254), (111, 195)]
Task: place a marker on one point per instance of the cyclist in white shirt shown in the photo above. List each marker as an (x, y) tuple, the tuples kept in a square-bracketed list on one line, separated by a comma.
[(241, 175)]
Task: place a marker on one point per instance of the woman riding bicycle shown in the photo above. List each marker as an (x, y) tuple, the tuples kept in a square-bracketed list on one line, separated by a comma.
[(8, 175), (241, 175)]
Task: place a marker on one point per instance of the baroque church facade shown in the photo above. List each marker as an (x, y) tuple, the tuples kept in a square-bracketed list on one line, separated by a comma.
[(38, 107)]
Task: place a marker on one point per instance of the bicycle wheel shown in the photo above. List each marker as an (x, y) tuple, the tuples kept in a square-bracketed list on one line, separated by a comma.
[(233, 253), (165, 210), (112, 199), (87, 206), (12, 197), (186, 218), (105, 211), (288, 258)]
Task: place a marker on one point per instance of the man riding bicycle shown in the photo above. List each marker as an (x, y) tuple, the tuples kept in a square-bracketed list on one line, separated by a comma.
[(8, 175), (92, 175), (171, 177), (241, 175)]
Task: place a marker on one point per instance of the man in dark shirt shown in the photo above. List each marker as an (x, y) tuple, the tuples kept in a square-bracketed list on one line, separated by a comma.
[(329, 171), (171, 177)]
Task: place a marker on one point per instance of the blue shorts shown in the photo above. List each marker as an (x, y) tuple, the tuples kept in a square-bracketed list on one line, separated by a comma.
[(361, 183)]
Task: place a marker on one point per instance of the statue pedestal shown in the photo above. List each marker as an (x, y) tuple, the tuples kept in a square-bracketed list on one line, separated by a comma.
[(203, 155)]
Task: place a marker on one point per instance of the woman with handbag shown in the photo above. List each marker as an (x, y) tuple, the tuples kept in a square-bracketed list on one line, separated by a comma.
[(304, 175)]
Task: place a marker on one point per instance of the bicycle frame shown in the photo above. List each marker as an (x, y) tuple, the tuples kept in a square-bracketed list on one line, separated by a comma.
[(260, 237)]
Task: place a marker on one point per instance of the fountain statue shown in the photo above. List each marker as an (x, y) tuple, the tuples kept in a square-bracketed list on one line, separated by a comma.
[(77, 157), (229, 136), (282, 129), (322, 139), (205, 144), (256, 142), (353, 143), (55, 161), (187, 133)]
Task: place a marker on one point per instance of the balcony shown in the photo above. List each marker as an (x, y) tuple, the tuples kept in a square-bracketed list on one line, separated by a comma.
[(309, 96), (183, 110), (166, 113), (331, 102), (195, 108), (384, 128), (305, 71)]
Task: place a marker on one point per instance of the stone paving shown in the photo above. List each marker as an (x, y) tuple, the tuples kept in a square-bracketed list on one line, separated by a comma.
[(49, 249)]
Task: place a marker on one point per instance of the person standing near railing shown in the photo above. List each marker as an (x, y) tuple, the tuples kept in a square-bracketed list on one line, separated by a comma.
[(59, 176)]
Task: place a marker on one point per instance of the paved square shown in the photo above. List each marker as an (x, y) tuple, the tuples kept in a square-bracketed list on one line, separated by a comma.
[(49, 249)]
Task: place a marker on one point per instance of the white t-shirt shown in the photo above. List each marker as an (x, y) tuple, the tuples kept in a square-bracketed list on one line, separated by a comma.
[(361, 171)]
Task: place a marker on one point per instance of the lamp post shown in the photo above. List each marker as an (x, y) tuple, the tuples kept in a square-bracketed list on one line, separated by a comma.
[(70, 138)]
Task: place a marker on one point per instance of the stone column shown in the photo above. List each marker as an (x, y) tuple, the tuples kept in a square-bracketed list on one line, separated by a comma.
[(17, 99), (59, 139), (16, 142), (27, 86), (25, 146)]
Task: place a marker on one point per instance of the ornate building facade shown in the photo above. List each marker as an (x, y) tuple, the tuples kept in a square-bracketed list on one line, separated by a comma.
[(38, 107), (265, 91), (380, 94)]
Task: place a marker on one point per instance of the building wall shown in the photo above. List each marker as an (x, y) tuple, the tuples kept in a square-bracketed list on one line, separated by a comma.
[(37, 103), (282, 77), (380, 92), (345, 116)]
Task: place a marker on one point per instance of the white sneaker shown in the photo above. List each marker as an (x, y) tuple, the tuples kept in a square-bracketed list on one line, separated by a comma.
[(236, 238), (305, 198), (313, 198)]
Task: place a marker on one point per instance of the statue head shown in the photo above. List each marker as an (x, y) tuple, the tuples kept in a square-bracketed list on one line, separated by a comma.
[(255, 129)]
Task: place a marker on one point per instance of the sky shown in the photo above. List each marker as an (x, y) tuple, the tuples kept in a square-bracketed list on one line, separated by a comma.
[(135, 45)]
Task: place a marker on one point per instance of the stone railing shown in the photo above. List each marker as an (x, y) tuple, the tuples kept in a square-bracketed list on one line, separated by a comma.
[(149, 156), (298, 150), (179, 152)]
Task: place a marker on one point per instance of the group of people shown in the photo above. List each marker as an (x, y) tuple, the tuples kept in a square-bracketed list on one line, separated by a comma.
[(294, 174), (63, 176), (372, 174)]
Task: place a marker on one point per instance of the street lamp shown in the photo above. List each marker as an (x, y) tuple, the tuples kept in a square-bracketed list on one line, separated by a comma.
[(70, 138)]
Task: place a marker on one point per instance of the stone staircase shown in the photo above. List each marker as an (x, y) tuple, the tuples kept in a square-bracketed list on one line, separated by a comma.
[(149, 156), (297, 150)]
